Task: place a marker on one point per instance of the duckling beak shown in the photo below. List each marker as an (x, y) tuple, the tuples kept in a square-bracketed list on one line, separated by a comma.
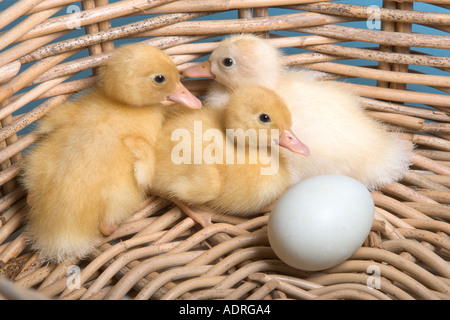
[(291, 142), (200, 70), (183, 96)]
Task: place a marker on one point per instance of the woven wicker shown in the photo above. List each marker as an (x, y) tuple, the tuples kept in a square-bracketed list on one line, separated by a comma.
[(160, 253)]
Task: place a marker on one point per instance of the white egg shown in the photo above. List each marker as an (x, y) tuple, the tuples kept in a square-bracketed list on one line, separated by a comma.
[(320, 222)]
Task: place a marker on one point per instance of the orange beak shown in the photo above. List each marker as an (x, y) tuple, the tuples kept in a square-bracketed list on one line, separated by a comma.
[(183, 96), (291, 142), (200, 70)]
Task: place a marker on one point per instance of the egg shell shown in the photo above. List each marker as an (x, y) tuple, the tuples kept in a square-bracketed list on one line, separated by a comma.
[(320, 222)]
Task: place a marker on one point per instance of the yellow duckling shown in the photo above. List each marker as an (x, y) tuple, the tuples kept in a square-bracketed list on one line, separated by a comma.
[(341, 137), (80, 175), (226, 160)]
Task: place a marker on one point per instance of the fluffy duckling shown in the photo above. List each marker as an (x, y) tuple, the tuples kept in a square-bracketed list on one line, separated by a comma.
[(226, 160), (341, 137), (80, 175)]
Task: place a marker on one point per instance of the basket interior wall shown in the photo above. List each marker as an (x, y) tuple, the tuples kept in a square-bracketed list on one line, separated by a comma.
[(393, 54)]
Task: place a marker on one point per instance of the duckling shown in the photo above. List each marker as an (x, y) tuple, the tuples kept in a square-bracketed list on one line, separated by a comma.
[(80, 174), (342, 138), (239, 171)]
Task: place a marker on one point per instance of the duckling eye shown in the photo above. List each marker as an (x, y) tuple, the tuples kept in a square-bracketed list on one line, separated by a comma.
[(159, 79), (227, 62), (264, 118)]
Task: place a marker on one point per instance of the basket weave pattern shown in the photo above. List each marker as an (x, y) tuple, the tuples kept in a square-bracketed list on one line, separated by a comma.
[(160, 253)]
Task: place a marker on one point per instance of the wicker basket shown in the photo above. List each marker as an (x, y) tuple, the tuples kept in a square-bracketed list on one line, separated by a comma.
[(51, 49)]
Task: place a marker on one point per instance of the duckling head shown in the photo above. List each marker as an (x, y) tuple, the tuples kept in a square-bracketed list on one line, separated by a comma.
[(257, 109), (241, 59), (139, 74)]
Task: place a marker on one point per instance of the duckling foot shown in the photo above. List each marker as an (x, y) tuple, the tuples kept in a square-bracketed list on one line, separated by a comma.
[(201, 217), (107, 228), (30, 198)]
